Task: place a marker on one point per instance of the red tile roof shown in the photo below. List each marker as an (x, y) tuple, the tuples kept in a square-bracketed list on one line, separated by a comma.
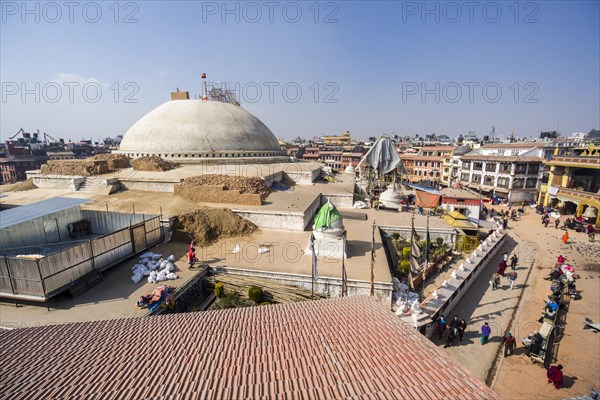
[(351, 347)]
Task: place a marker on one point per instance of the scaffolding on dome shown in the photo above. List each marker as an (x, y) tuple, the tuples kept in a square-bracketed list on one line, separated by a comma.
[(222, 93)]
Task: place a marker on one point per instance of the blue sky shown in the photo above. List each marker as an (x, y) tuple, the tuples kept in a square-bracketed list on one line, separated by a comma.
[(321, 68)]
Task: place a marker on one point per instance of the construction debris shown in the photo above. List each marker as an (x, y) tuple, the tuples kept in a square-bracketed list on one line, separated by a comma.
[(20, 186), (208, 225), (75, 167), (114, 161), (245, 185), (152, 163)]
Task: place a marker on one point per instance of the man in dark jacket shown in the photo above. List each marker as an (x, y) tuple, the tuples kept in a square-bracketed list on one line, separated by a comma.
[(509, 344)]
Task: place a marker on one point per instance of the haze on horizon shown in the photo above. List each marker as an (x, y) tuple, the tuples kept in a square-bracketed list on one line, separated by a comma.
[(92, 69)]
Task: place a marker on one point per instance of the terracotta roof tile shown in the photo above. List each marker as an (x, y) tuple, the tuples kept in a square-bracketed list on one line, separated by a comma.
[(339, 348)]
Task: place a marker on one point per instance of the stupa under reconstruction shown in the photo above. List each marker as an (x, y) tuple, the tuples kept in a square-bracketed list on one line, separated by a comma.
[(209, 129)]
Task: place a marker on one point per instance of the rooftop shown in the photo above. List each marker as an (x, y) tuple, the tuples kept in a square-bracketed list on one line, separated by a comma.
[(17, 215), (470, 156), (351, 347), (458, 193), (519, 145)]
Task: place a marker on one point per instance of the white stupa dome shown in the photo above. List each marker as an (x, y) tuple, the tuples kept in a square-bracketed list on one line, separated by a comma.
[(191, 131)]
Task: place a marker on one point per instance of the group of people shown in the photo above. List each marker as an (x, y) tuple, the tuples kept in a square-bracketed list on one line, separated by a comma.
[(451, 331), (501, 272)]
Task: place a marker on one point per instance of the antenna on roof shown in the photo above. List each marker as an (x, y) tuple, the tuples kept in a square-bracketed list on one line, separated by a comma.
[(204, 92)]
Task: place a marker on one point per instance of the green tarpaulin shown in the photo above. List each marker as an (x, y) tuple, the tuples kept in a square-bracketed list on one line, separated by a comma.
[(326, 216)]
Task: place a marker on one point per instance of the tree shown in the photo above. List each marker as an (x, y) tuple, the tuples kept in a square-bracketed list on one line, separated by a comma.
[(594, 134), (549, 135)]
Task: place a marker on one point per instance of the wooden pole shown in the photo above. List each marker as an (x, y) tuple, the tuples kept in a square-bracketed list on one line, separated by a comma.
[(373, 261)]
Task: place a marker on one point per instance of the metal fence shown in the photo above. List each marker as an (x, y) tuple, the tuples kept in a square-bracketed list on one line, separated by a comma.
[(47, 276)]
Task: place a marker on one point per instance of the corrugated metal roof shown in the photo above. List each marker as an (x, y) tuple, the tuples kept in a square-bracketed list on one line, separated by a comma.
[(351, 347), (17, 215)]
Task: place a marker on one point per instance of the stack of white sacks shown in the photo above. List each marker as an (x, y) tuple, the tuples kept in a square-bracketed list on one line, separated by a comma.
[(154, 267)]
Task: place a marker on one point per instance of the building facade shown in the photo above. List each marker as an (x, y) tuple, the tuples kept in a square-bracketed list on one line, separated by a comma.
[(574, 184), (509, 170), (431, 163)]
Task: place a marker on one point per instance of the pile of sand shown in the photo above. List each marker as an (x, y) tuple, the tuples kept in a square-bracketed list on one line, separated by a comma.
[(75, 167), (208, 225), (251, 185), (114, 161), (152, 163), (20, 186)]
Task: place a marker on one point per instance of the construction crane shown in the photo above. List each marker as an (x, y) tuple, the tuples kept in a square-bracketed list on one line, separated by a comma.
[(46, 137), (21, 131)]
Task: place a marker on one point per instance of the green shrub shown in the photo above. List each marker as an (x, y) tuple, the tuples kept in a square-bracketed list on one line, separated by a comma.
[(395, 236), (439, 241), (265, 303), (219, 290), (404, 266), (406, 252), (230, 299), (255, 294)]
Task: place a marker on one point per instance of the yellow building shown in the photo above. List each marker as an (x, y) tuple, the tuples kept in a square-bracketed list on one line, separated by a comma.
[(574, 184), (341, 140)]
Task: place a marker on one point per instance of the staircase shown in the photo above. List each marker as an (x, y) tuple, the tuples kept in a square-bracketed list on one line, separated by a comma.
[(95, 185)]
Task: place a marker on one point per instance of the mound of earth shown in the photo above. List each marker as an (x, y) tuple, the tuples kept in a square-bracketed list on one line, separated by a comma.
[(251, 185), (20, 186), (87, 167), (208, 225), (152, 163), (114, 161)]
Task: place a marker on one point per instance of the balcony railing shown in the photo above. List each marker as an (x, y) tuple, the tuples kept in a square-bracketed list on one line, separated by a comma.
[(579, 193)]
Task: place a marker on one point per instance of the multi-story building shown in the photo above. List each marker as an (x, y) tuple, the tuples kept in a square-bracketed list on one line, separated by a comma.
[(19, 159), (574, 183), (336, 151), (510, 170), (352, 155), (455, 162), (432, 163), (337, 140)]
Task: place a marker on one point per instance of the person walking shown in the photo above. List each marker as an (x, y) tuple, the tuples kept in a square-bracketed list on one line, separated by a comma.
[(495, 281), (455, 325), (462, 327), (512, 278), (191, 257), (485, 333), (513, 262), (546, 221), (565, 237), (556, 223), (509, 344), (441, 326), (502, 267), (555, 375), (448, 336)]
